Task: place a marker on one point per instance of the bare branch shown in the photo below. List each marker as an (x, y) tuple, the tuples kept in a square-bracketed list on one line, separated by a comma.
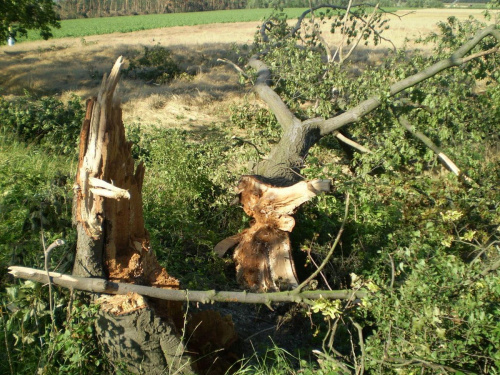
[(482, 53), (236, 67), (491, 268), (355, 114), (283, 114), (343, 31), (96, 285), (361, 345), (351, 143), (426, 140)]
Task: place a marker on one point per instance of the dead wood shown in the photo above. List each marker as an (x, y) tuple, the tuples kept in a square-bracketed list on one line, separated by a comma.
[(263, 256), (108, 200), (98, 285)]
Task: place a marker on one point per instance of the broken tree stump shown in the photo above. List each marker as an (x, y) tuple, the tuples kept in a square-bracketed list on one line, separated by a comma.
[(263, 253), (143, 335)]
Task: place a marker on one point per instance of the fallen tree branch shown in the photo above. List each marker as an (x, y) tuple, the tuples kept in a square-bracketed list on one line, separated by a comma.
[(427, 141), (357, 113), (97, 285), (283, 114)]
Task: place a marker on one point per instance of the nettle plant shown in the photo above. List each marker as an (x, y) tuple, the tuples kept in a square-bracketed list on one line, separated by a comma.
[(423, 240)]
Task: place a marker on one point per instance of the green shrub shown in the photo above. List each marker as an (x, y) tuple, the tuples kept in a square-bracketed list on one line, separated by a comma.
[(35, 196), (419, 238), (44, 121), (425, 4), (186, 198), (32, 344), (156, 65)]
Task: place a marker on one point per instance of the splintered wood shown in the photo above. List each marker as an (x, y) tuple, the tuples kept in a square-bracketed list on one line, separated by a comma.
[(108, 194), (263, 255)]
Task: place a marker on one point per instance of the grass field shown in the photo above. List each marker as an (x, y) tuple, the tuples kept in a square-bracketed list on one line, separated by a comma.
[(78, 28)]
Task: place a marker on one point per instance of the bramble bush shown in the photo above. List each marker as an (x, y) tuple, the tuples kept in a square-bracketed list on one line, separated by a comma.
[(187, 193), (155, 65)]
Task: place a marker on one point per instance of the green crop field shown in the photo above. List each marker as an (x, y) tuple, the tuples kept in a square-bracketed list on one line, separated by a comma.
[(107, 25), (97, 26)]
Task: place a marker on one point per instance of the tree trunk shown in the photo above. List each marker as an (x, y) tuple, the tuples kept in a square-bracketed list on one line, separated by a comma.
[(112, 241)]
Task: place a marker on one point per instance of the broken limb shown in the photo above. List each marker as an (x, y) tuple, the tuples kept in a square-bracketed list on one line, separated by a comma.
[(427, 141), (98, 285)]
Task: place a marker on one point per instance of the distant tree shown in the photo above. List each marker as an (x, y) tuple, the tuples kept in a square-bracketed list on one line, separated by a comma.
[(19, 16)]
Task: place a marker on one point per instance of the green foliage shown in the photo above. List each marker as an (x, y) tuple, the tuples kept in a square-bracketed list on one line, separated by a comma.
[(187, 202), (34, 344), (156, 65), (44, 121), (418, 238), (425, 4), (19, 16), (445, 313), (277, 361), (35, 201), (35, 195), (83, 27)]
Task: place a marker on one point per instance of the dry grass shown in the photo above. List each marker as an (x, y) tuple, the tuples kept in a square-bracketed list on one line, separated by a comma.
[(64, 66)]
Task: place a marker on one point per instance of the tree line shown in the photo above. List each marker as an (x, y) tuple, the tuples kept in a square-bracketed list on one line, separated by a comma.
[(103, 8), (100, 8)]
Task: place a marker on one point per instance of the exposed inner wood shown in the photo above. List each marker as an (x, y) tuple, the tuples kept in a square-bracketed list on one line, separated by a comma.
[(109, 200), (263, 254)]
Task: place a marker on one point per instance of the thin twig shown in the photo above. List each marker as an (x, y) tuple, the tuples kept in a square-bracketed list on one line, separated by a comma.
[(250, 143), (479, 54), (342, 31), (258, 333), (392, 271), (441, 155), (330, 253), (236, 67), (351, 143), (46, 252), (361, 33), (6, 341), (316, 265), (361, 346)]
